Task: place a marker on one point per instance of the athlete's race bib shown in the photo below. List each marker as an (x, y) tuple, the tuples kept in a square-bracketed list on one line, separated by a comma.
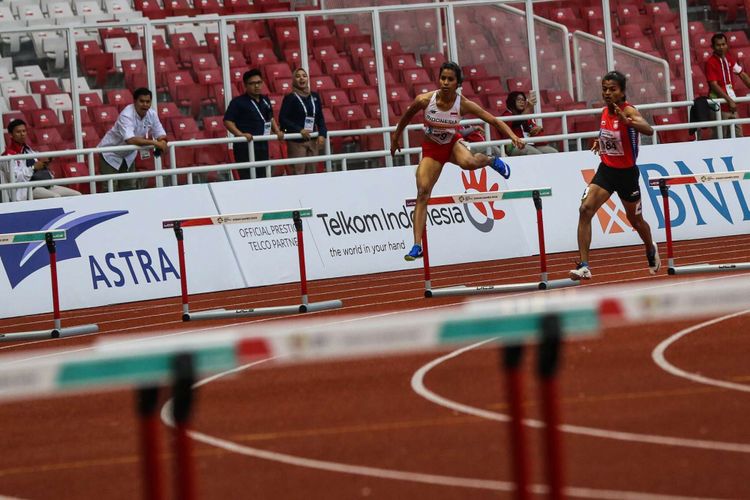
[(610, 143), (440, 135)]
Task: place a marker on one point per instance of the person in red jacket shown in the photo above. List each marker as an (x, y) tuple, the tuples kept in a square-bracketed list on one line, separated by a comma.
[(721, 69), (618, 147)]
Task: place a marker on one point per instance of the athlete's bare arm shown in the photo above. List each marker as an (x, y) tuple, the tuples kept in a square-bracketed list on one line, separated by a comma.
[(420, 103), (471, 108), (634, 119)]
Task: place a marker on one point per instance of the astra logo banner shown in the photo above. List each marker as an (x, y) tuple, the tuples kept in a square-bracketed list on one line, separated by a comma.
[(20, 261), (611, 215), (478, 183)]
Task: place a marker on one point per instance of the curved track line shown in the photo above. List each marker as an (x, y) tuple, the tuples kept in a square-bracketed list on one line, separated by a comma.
[(398, 475), (661, 361), (417, 383)]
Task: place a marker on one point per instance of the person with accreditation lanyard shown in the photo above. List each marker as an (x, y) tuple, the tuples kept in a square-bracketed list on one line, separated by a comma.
[(721, 68), (302, 113), (248, 115), (443, 109), (137, 125), (617, 146)]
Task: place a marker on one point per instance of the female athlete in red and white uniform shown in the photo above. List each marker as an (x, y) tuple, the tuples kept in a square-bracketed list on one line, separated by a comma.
[(618, 147), (443, 111)]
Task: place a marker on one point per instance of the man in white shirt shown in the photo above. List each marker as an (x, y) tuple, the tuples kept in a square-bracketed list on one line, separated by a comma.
[(137, 125)]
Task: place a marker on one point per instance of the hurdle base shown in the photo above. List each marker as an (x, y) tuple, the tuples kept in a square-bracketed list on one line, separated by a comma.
[(709, 268), (484, 289), (71, 331), (262, 311), (321, 306), (561, 283)]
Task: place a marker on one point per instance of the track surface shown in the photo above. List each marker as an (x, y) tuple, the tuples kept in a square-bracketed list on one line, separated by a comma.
[(427, 426)]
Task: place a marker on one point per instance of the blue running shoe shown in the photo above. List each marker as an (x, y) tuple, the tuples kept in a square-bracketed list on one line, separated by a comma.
[(499, 166), (414, 253)]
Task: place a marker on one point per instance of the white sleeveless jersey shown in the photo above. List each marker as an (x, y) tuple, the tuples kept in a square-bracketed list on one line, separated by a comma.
[(440, 126)]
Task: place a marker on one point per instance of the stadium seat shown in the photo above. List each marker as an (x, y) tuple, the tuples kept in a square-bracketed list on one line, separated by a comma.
[(119, 98), (334, 98), (134, 73), (348, 81), (22, 103), (213, 126), (668, 136), (76, 169), (46, 86)]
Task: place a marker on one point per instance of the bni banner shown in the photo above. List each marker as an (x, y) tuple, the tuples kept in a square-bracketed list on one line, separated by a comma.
[(361, 223), (116, 250)]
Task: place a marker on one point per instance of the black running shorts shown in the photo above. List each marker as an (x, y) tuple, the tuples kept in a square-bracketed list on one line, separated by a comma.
[(623, 181)]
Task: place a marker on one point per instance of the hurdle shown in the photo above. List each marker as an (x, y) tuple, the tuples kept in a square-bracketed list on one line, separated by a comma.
[(296, 215), (544, 283), (148, 363), (57, 331), (676, 180)]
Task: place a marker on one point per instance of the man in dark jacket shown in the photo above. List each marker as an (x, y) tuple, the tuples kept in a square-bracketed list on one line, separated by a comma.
[(248, 115)]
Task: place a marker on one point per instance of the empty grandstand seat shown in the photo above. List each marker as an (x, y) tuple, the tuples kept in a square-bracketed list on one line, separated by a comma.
[(489, 85), (336, 65), (103, 117), (178, 78), (90, 99), (400, 62), (100, 66), (22, 103), (520, 84), (335, 97), (46, 86), (134, 72), (76, 169), (350, 81), (67, 118), (184, 127), (431, 61), (213, 126), (322, 83), (42, 118), (119, 98), (364, 95), (667, 136), (262, 57), (569, 18), (349, 113), (191, 96), (558, 99), (167, 110)]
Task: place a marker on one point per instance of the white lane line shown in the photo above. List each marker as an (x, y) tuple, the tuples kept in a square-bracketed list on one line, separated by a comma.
[(661, 361), (417, 383), (392, 474)]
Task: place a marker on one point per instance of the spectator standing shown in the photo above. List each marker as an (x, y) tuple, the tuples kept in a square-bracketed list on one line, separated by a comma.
[(721, 69), (29, 169), (137, 125), (302, 113), (248, 115), (518, 104)]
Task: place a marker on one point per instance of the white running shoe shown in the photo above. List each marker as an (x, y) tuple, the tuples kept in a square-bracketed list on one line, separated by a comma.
[(654, 261), (581, 272)]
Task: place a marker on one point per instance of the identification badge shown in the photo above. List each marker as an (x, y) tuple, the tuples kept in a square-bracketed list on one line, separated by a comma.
[(730, 91), (267, 128), (610, 143), (145, 154), (309, 123)]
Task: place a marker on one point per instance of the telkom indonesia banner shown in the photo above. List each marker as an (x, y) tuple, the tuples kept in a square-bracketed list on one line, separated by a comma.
[(118, 252)]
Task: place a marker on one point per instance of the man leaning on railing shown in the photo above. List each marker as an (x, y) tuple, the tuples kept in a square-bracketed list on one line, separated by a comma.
[(137, 125)]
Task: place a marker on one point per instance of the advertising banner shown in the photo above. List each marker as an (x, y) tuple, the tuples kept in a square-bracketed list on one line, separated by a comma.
[(116, 250), (361, 223)]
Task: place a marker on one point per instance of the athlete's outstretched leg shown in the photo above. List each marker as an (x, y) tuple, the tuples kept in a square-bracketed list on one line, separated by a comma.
[(635, 217), (428, 173), (593, 198), (467, 160)]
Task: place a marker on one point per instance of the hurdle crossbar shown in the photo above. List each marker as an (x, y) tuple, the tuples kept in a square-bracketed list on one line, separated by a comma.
[(48, 238), (536, 194), (677, 180), (296, 215)]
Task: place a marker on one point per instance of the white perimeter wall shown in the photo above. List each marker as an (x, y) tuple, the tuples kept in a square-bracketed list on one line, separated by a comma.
[(119, 252)]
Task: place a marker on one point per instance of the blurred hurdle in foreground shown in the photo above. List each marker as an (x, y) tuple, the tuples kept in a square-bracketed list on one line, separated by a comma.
[(146, 363), (677, 180), (296, 216), (47, 238), (544, 283)]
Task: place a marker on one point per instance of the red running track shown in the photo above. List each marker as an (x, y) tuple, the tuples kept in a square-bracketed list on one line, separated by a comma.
[(427, 426)]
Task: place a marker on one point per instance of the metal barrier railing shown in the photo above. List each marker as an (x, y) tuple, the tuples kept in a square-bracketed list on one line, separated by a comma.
[(159, 172)]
